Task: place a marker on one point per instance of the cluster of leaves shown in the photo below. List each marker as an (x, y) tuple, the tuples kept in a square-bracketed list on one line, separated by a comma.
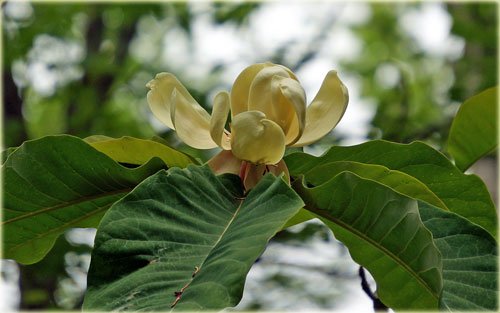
[(171, 234), (57, 200)]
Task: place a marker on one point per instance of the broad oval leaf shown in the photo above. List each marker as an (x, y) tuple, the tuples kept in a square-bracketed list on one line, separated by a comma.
[(185, 231), (463, 194), (55, 183), (473, 132), (470, 261), (383, 232), (137, 151)]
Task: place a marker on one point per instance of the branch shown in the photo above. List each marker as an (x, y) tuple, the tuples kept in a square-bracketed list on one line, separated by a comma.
[(377, 304)]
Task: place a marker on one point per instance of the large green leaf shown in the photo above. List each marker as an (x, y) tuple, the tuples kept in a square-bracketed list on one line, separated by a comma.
[(149, 243), (473, 132), (383, 232), (55, 183), (463, 194), (302, 216), (470, 273), (399, 181), (138, 151), (7, 152)]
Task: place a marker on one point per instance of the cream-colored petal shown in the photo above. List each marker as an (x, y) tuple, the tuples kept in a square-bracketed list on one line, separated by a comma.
[(256, 139), (281, 98), (265, 90), (290, 73), (160, 96), (191, 122), (241, 87), (289, 102), (326, 109), (260, 94), (220, 112)]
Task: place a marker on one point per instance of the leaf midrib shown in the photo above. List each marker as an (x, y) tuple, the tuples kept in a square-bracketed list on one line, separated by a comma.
[(64, 205), (57, 229), (213, 246)]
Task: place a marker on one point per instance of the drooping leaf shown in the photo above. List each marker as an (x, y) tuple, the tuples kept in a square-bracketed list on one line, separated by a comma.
[(302, 216), (97, 138), (383, 232), (55, 183), (463, 194), (473, 132), (150, 244), (7, 152), (138, 151), (399, 181), (470, 261)]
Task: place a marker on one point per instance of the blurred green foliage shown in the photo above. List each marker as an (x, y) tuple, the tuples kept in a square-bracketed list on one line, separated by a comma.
[(405, 111), (478, 25), (97, 83), (42, 283), (421, 104)]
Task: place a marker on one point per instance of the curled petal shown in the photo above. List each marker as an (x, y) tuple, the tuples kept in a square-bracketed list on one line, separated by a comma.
[(290, 73), (281, 98), (257, 139), (260, 95), (326, 109), (191, 122), (160, 96), (289, 103), (241, 88), (220, 113)]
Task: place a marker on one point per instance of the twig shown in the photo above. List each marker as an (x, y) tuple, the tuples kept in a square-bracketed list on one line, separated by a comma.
[(377, 304)]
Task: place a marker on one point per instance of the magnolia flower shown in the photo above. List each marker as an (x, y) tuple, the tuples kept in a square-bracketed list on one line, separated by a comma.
[(268, 113)]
